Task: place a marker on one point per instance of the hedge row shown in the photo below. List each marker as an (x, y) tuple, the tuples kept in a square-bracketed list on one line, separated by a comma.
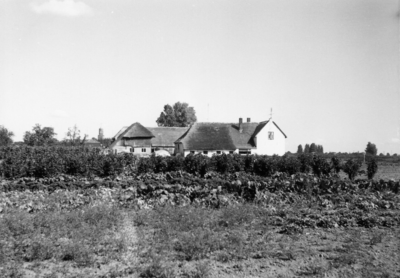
[(52, 161)]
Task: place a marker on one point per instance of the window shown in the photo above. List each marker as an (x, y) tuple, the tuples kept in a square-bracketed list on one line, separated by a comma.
[(132, 150), (270, 135), (230, 152), (244, 151), (143, 150), (192, 152), (218, 152), (152, 150), (205, 152)]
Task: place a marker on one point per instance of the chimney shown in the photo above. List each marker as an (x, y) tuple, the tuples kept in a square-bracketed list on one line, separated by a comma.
[(240, 125), (248, 120)]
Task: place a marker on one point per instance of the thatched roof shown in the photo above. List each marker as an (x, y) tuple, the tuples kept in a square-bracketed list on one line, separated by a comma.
[(208, 136), (136, 130), (166, 136), (222, 136)]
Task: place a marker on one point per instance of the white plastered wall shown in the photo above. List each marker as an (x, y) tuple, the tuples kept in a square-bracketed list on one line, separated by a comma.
[(265, 146)]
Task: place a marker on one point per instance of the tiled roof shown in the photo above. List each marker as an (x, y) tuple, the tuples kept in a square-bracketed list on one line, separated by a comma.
[(166, 136)]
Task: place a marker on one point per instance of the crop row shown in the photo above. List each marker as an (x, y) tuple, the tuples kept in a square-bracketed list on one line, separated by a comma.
[(343, 203), (52, 161)]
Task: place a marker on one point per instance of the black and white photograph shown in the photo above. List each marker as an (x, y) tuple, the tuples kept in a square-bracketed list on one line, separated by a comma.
[(199, 138)]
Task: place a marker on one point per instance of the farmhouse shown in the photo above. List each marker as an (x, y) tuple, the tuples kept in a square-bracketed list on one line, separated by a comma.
[(242, 138), (146, 140), (205, 138)]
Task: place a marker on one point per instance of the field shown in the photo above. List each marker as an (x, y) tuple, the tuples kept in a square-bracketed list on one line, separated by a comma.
[(217, 225)]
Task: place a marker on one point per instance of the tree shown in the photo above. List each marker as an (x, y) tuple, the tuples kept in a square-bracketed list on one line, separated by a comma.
[(40, 136), (180, 115), (371, 149), (313, 148), (300, 149), (5, 136), (307, 148), (73, 137)]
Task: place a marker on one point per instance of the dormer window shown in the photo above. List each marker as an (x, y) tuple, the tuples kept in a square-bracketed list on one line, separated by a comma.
[(270, 135)]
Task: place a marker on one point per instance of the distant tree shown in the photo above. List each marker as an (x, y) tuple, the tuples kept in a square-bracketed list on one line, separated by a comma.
[(5, 136), (300, 149), (381, 154), (307, 148), (40, 136), (180, 114), (313, 148), (73, 137), (371, 149), (388, 154), (395, 154)]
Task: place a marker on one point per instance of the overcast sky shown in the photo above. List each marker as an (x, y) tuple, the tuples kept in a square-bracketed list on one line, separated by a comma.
[(329, 69)]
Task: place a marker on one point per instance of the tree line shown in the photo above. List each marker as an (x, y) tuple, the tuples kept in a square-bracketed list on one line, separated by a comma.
[(313, 148)]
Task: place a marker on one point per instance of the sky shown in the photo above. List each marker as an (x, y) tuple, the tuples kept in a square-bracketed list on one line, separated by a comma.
[(328, 69)]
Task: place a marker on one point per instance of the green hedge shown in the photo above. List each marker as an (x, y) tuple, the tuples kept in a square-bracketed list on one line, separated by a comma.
[(42, 162)]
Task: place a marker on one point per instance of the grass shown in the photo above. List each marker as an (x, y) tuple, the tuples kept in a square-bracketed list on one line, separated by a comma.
[(242, 240), (79, 236)]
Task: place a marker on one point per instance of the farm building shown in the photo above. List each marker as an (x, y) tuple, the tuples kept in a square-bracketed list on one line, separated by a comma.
[(205, 138), (92, 143), (242, 138), (146, 140)]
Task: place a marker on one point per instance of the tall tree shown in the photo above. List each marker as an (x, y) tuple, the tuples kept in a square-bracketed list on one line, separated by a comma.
[(40, 136), (300, 149), (371, 149), (180, 114), (313, 148), (307, 148), (5, 136)]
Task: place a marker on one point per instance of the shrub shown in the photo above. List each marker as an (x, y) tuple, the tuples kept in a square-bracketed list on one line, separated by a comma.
[(305, 162), (351, 168), (248, 163), (290, 165), (223, 163), (265, 166), (320, 166), (372, 168), (336, 164), (198, 164)]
